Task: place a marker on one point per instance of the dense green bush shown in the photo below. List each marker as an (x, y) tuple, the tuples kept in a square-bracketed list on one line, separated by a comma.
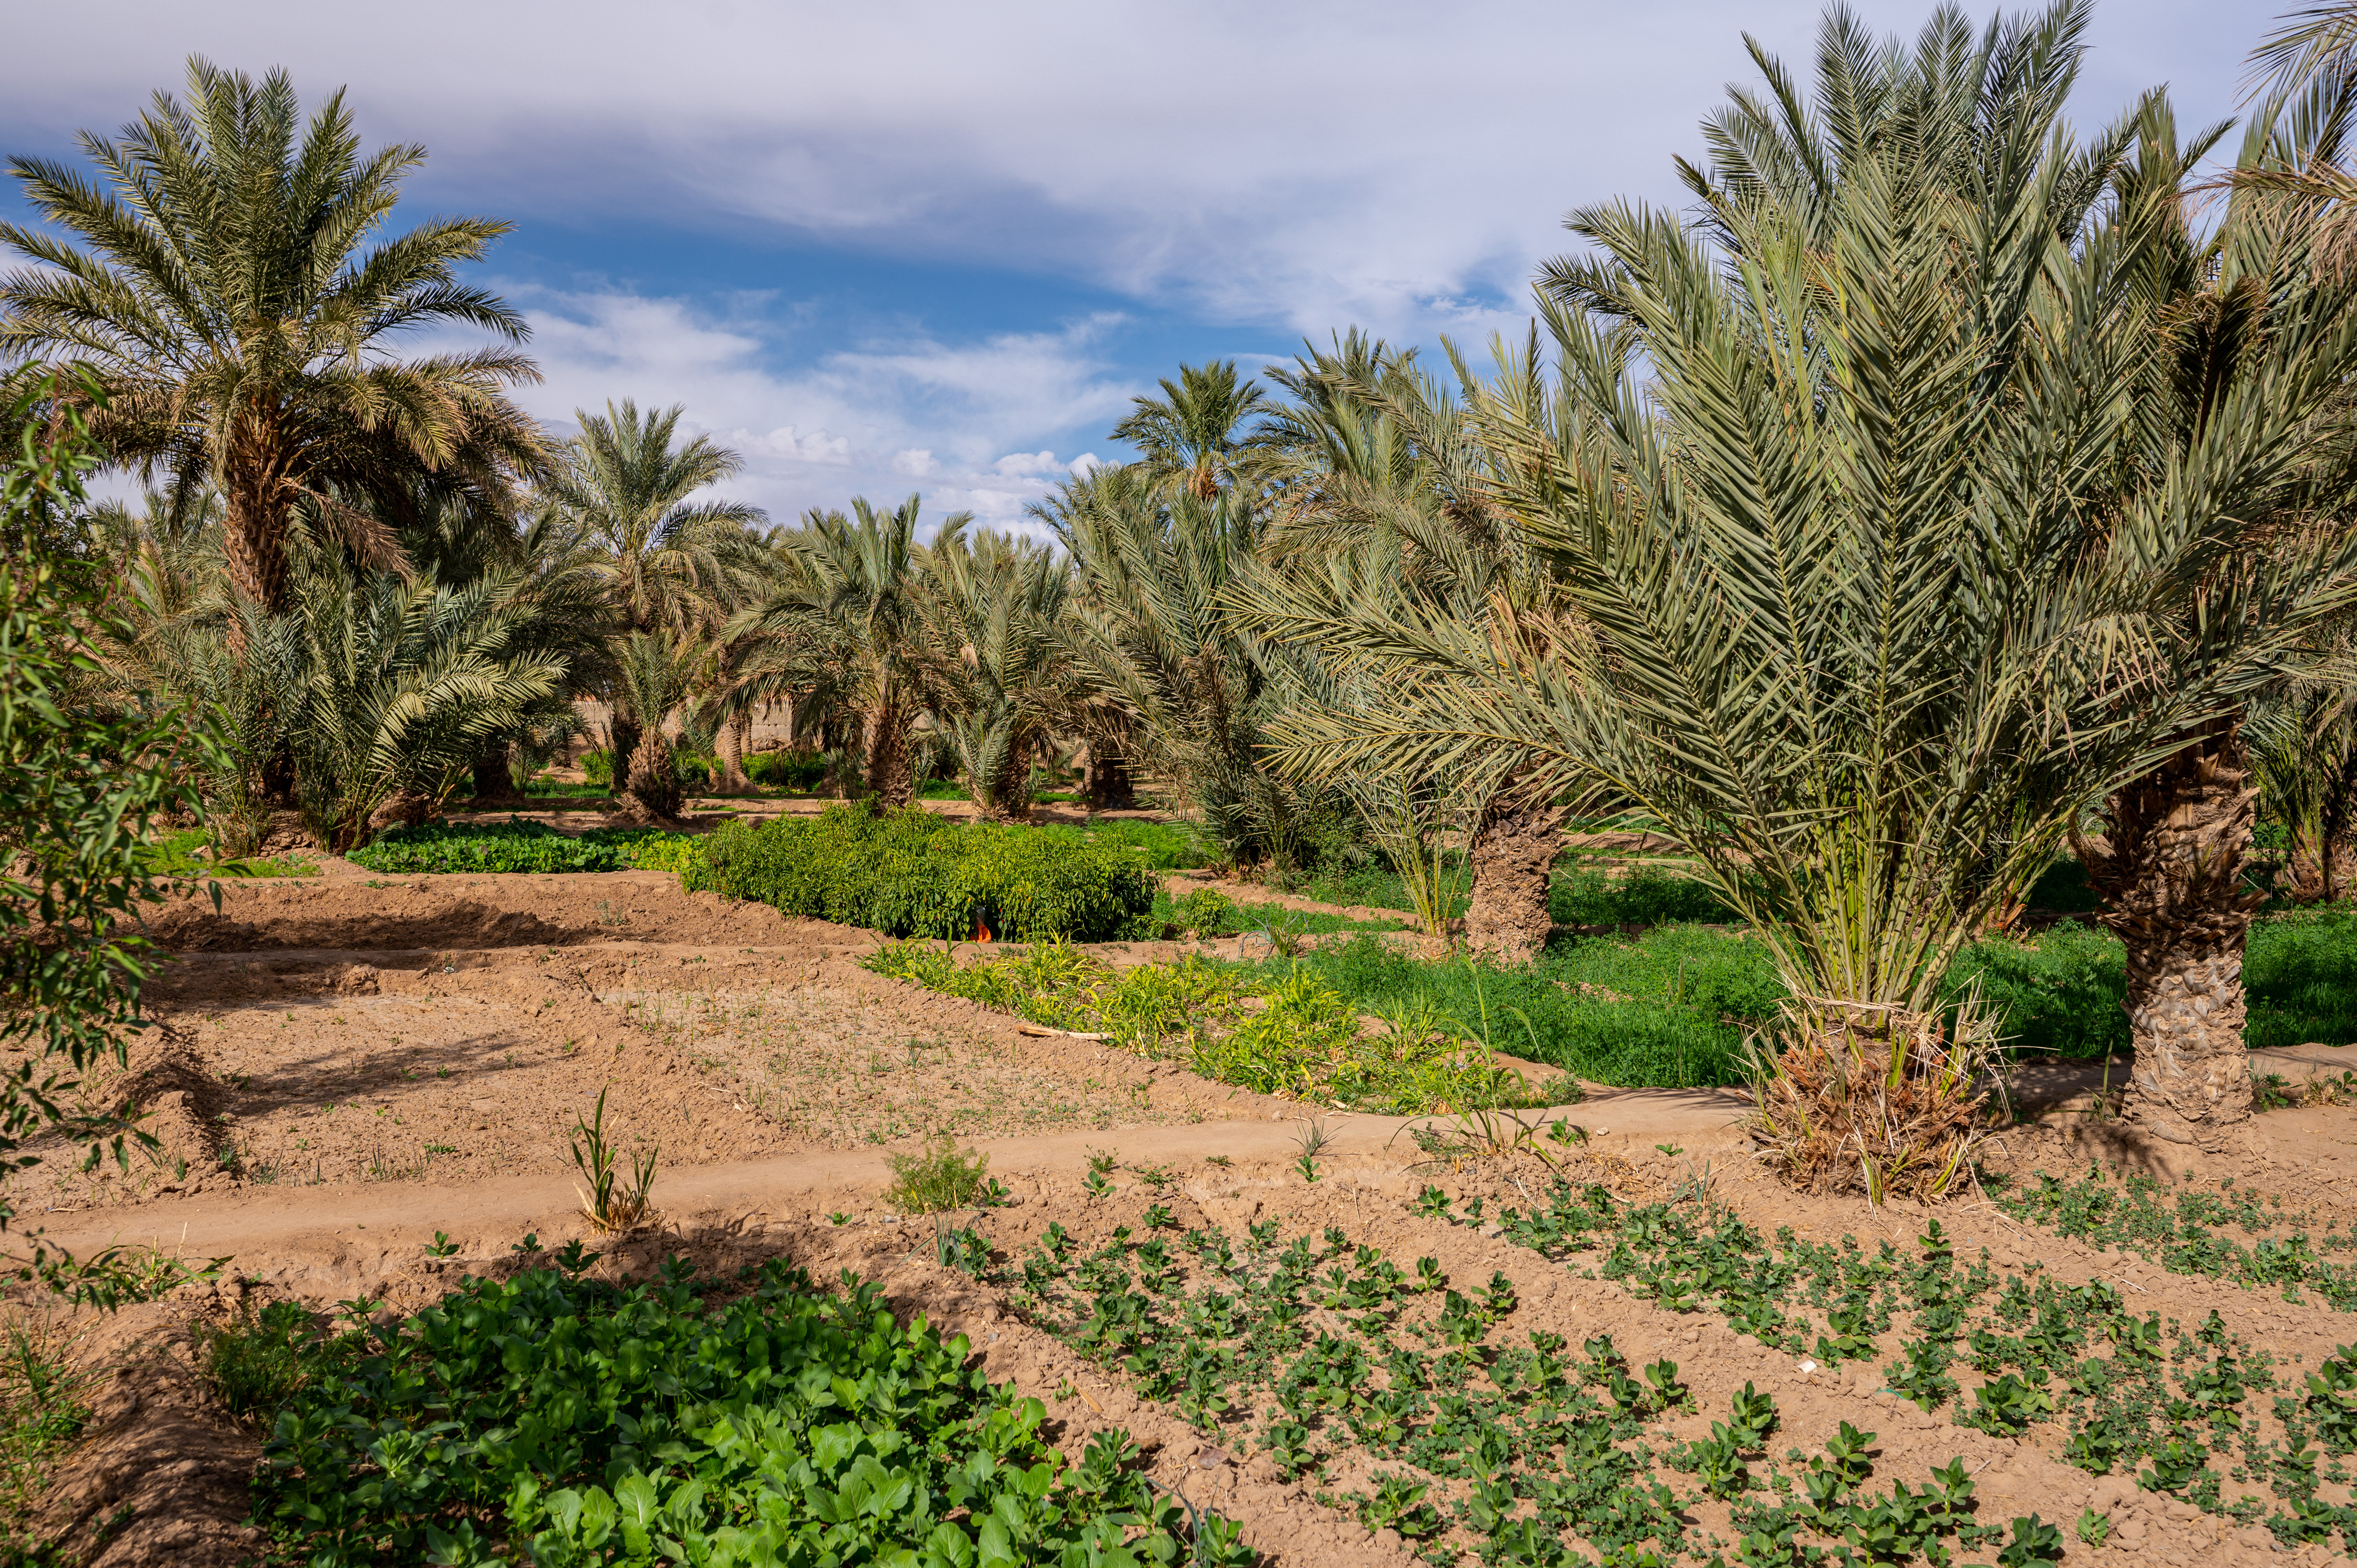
[(786, 769), (557, 1420), (915, 875), (519, 845)]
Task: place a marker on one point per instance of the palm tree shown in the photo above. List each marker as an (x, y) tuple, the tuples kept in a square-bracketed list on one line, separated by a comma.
[(995, 605), (2169, 863), (839, 632), (563, 611), (1194, 437), (673, 564), (239, 332), (1881, 581), (1383, 493), (1195, 684)]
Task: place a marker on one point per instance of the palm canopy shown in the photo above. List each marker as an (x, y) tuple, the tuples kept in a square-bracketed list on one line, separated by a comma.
[(839, 629), (1886, 569), (671, 563), (1202, 432), (221, 292), (994, 608)]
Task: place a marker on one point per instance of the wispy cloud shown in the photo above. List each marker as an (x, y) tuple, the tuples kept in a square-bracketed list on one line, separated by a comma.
[(1386, 163), (879, 419)]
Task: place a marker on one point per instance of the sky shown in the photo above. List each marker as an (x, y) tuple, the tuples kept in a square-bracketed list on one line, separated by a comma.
[(938, 248)]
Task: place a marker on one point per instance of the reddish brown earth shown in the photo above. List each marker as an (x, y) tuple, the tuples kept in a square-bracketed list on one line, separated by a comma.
[(349, 1065)]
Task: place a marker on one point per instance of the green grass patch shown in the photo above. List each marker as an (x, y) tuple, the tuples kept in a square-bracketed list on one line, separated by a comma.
[(1651, 1011), (916, 875), (1207, 913), (1164, 846), (524, 846), (44, 1405), (1288, 1035), (2300, 975), (187, 854), (554, 1418)]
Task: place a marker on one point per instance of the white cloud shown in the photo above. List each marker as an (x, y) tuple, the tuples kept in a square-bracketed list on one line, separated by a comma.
[(814, 433), (1393, 164)]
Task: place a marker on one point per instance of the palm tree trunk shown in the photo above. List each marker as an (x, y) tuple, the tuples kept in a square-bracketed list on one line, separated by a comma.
[(1110, 786), (654, 788), (622, 739), (253, 528), (492, 779), (2170, 872), (1512, 854), (890, 782), (730, 742)]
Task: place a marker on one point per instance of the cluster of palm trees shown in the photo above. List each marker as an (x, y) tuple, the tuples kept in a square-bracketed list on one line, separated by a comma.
[(1944, 489)]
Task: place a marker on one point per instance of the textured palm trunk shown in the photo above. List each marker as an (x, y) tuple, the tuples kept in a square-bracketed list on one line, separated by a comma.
[(622, 736), (2169, 874), (1008, 797), (1111, 787), (653, 786), (2322, 864), (890, 783), (730, 744), (1512, 855), (494, 781), (254, 524)]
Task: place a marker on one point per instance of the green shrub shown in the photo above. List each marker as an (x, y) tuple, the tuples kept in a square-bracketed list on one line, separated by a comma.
[(255, 1362), (914, 875), (519, 845), (943, 1178), (786, 769), (597, 767), (556, 1419)]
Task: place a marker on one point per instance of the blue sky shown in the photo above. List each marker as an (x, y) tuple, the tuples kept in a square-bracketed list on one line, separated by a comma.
[(937, 247)]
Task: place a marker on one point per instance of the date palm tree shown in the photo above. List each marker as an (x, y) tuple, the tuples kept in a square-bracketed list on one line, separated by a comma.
[(994, 611), (220, 293), (1882, 581), (838, 630), (674, 566), (1203, 435)]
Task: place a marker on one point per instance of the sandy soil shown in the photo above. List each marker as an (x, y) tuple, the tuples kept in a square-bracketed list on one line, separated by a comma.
[(348, 1065)]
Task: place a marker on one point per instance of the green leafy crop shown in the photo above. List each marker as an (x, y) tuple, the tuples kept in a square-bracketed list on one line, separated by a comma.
[(520, 845), (562, 1421)]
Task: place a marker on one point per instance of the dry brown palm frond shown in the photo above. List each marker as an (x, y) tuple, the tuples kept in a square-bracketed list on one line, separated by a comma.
[(1872, 1099)]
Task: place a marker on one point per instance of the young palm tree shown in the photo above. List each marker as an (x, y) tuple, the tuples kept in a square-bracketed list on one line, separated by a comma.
[(1195, 684), (1882, 584), (1197, 437), (221, 294), (1382, 491), (387, 688), (994, 609), (673, 564), (839, 632)]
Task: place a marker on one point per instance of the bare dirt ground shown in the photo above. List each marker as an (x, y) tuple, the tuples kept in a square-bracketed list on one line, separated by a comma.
[(346, 1066)]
